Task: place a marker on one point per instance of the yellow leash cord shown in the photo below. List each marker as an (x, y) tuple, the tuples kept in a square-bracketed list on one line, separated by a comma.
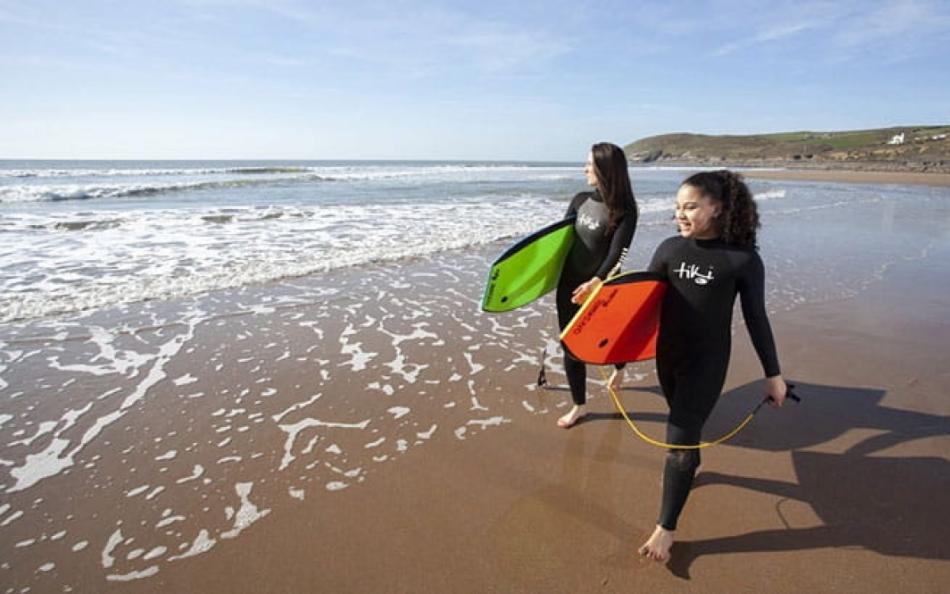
[(619, 405), (705, 444), (542, 382)]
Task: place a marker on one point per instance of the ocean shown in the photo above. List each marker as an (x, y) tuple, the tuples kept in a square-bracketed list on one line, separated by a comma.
[(80, 236)]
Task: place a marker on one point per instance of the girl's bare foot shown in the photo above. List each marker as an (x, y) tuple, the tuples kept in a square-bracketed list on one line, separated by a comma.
[(576, 414), (657, 547)]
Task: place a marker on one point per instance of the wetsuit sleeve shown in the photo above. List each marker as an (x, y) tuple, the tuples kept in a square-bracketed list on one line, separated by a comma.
[(623, 235), (575, 204), (751, 286)]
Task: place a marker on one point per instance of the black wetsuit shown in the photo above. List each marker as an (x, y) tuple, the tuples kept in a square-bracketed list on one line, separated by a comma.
[(695, 340), (594, 253)]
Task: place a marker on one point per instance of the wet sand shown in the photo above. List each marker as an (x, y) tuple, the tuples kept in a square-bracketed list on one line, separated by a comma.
[(377, 433), (840, 493), (855, 177)]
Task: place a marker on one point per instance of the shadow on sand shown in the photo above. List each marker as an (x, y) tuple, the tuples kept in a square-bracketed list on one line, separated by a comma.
[(889, 505)]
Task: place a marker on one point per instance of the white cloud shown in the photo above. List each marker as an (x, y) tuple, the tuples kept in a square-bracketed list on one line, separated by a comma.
[(767, 36), (435, 43), (900, 20), (843, 30), (493, 47)]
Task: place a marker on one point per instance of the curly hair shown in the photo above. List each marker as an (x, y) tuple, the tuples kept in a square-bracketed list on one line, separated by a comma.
[(613, 182), (738, 217)]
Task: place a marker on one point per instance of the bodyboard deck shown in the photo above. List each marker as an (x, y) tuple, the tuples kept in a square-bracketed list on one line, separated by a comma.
[(619, 322), (529, 269)]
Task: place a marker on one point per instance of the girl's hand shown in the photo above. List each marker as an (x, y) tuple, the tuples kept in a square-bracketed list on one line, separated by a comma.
[(776, 390), (582, 292)]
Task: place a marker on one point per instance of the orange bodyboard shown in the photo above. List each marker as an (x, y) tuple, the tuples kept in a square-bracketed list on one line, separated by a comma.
[(620, 322)]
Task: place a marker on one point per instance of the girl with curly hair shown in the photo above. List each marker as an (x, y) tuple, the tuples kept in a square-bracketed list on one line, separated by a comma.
[(713, 259)]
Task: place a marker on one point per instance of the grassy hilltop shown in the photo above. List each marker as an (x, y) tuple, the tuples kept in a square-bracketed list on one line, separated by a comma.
[(924, 148)]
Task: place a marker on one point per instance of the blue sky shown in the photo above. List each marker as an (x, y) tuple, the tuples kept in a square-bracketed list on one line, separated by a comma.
[(492, 79)]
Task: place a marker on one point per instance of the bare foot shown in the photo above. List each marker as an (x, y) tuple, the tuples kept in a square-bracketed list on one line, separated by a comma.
[(657, 547), (616, 378), (576, 414)]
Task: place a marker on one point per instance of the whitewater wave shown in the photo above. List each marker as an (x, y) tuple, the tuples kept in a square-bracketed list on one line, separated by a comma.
[(174, 253), (96, 184), (348, 171), (155, 221), (768, 195), (148, 172), (59, 193)]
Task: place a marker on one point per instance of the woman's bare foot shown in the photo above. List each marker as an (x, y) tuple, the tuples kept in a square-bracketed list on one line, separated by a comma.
[(657, 547), (573, 416), (616, 378)]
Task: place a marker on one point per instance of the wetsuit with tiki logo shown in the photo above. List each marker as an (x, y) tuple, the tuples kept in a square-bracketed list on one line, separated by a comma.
[(693, 347)]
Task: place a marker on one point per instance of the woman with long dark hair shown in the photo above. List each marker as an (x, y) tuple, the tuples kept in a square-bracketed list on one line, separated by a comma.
[(713, 259), (605, 224)]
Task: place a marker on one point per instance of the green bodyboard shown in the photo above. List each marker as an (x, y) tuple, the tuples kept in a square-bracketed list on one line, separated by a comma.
[(529, 269)]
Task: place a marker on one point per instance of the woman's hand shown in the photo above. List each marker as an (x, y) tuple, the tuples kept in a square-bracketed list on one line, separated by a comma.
[(582, 292), (776, 390)]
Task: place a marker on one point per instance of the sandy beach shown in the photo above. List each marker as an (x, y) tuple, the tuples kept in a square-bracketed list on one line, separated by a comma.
[(371, 431), (851, 176), (839, 493)]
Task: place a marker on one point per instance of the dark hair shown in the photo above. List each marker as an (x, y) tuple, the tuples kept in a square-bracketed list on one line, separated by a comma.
[(613, 182), (738, 216)]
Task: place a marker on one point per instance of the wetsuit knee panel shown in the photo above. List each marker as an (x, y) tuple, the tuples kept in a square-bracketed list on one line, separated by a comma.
[(683, 460)]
